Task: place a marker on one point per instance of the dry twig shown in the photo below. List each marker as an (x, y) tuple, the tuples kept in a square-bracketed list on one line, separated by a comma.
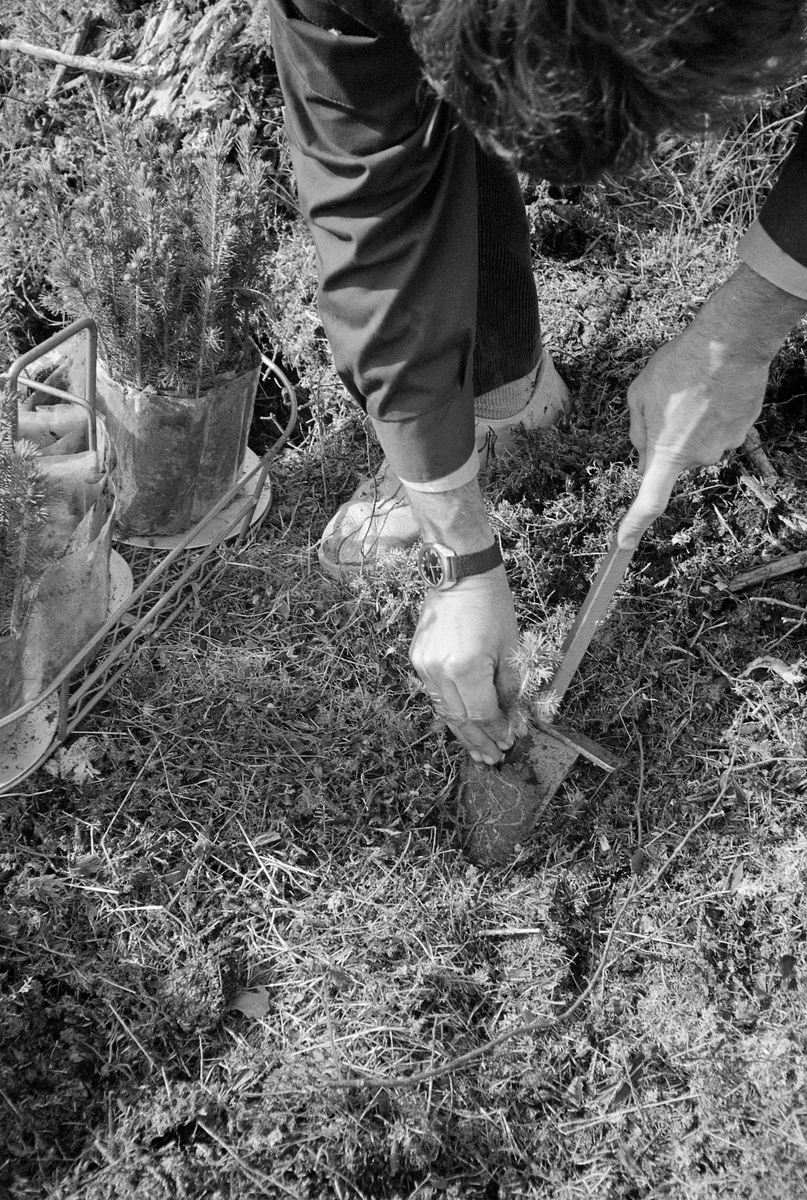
[(539, 1024), (769, 570), (79, 62)]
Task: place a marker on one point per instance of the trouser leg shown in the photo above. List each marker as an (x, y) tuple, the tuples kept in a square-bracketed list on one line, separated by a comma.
[(508, 331)]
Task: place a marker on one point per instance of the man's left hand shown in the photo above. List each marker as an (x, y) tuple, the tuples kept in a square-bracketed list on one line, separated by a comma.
[(700, 394), (463, 652)]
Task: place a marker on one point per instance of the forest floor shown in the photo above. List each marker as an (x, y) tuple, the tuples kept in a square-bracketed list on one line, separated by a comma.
[(241, 951)]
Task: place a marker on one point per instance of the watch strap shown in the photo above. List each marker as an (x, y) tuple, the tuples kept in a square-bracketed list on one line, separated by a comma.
[(463, 565)]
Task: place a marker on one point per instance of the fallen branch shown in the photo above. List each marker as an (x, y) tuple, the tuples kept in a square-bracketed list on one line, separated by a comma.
[(769, 570), (79, 62)]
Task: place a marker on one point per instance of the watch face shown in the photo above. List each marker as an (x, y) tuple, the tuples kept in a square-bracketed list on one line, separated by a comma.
[(432, 567)]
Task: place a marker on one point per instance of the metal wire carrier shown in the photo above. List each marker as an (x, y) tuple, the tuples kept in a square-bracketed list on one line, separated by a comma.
[(164, 580)]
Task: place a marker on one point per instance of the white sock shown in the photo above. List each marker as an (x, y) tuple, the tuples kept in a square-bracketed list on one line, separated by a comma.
[(509, 400)]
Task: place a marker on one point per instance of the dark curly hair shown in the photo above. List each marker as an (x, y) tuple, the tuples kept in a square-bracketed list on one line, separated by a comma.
[(568, 89)]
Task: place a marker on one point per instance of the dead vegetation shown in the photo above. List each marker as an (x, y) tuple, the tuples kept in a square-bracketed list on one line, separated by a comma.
[(242, 955)]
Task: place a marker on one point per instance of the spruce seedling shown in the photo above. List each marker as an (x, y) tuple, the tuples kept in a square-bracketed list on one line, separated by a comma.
[(23, 516), (166, 250)]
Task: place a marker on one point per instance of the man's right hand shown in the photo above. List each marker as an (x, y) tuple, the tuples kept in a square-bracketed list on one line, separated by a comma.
[(690, 404)]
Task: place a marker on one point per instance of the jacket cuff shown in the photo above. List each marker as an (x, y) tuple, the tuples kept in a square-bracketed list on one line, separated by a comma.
[(759, 251), (448, 483), (433, 445)]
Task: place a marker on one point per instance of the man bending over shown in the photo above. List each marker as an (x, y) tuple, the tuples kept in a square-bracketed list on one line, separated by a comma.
[(407, 122)]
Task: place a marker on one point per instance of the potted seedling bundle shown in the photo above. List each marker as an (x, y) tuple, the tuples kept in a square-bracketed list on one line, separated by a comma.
[(166, 249)]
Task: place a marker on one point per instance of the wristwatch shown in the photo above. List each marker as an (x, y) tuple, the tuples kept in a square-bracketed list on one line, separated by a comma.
[(441, 568)]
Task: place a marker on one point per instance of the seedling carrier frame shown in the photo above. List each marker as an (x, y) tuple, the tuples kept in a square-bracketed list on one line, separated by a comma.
[(154, 580)]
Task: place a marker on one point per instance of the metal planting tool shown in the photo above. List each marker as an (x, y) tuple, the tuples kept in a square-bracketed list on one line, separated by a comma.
[(500, 805)]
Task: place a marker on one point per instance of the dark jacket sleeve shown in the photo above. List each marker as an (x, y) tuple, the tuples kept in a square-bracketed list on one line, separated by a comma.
[(784, 214), (386, 179)]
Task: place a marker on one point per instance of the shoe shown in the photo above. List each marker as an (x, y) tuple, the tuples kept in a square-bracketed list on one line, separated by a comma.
[(546, 400), (377, 518)]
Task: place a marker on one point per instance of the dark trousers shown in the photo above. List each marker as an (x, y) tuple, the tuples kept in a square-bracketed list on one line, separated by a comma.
[(426, 290)]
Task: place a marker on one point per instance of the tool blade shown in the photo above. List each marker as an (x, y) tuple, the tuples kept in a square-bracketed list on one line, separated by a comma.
[(595, 606), (580, 744), (500, 806)]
